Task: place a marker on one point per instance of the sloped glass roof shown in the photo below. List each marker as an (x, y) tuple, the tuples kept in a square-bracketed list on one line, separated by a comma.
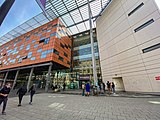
[(73, 14)]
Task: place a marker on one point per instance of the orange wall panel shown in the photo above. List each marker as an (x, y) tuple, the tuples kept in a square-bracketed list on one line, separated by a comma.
[(54, 43)]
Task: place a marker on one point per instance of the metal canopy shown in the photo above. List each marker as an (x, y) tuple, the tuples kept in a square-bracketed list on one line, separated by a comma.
[(73, 14)]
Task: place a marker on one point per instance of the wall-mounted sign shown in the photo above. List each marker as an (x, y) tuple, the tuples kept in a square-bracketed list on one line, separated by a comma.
[(84, 77), (157, 77)]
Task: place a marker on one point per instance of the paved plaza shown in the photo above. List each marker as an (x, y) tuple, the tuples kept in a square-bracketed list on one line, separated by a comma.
[(76, 107)]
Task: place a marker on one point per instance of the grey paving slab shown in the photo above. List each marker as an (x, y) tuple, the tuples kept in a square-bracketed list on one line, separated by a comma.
[(76, 107)]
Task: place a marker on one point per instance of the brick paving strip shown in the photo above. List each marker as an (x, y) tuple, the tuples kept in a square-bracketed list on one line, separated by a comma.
[(75, 107)]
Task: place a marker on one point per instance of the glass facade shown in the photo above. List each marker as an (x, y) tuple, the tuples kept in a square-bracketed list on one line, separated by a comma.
[(82, 56), (81, 65)]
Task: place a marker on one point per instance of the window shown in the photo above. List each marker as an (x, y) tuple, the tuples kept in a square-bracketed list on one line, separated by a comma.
[(36, 45), (144, 25), (4, 54), (21, 47), (28, 37), (20, 60), (66, 46), (40, 50), (42, 40), (43, 56), (29, 54), (39, 34), (68, 62), (58, 36), (43, 30), (46, 40), (36, 33), (61, 45), (139, 6), (33, 58), (33, 41), (56, 52), (28, 47), (49, 51), (48, 31), (154, 47), (69, 46), (56, 25), (60, 58), (24, 57), (65, 54), (18, 56), (49, 25), (15, 44), (53, 34), (13, 61)]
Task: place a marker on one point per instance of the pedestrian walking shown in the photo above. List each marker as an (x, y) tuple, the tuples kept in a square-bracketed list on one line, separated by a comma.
[(83, 89), (32, 91), (103, 87), (64, 86), (109, 87), (21, 92), (4, 96), (88, 89), (113, 87)]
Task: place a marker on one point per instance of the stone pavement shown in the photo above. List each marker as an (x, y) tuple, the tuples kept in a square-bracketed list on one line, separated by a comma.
[(75, 107)]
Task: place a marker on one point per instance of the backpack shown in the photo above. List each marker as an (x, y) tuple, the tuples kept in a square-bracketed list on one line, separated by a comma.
[(23, 90)]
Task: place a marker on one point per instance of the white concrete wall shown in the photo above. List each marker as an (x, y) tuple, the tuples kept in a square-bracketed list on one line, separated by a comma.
[(121, 48)]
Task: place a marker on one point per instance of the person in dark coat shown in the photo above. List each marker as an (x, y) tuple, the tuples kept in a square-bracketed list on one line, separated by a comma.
[(88, 89), (32, 91), (64, 86), (4, 96), (113, 87), (21, 92), (103, 86), (109, 87)]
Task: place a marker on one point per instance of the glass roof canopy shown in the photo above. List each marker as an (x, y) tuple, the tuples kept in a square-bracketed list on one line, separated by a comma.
[(73, 13)]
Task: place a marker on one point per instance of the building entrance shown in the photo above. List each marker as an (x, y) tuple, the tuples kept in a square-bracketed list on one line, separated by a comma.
[(119, 83)]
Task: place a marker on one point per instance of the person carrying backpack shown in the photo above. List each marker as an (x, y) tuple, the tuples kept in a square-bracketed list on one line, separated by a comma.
[(32, 91), (21, 92)]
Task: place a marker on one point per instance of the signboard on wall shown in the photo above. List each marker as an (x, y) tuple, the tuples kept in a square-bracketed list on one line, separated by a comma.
[(84, 77), (157, 77)]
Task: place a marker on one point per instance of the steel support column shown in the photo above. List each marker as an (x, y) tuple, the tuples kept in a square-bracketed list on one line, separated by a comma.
[(5, 78), (30, 77), (92, 45), (15, 79), (48, 78)]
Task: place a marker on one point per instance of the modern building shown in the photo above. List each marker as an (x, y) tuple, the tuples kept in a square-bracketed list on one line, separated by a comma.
[(128, 35), (47, 45), (70, 56), (125, 45), (70, 14), (82, 57), (81, 62)]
